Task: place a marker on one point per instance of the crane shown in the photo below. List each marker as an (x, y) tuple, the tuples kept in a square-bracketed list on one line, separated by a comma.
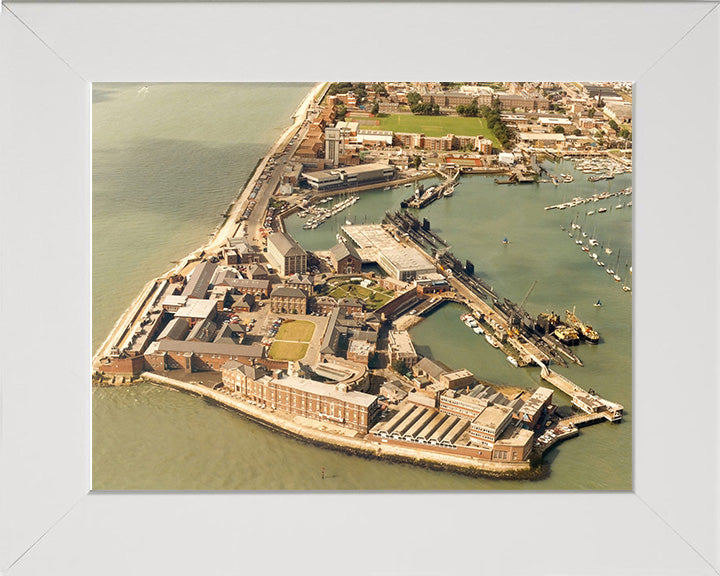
[(527, 295)]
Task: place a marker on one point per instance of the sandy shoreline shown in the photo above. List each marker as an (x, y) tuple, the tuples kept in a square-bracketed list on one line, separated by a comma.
[(228, 229)]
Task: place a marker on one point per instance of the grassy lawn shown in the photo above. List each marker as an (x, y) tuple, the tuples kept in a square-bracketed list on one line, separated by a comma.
[(374, 296), (296, 330), (430, 125), (287, 350)]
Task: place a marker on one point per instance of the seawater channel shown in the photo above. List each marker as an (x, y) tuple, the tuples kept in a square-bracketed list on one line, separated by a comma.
[(166, 163)]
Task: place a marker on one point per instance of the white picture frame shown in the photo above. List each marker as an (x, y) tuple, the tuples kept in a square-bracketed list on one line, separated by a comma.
[(51, 524)]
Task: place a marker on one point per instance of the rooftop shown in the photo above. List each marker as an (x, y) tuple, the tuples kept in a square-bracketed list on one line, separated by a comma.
[(285, 244), (196, 309), (321, 389)]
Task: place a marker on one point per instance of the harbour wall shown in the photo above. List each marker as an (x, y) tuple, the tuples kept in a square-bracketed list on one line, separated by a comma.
[(328, 435)]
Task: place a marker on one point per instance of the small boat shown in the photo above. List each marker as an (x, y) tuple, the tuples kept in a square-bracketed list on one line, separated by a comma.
[(585, 249), (512, 361), (602, 210), (610, 271), (578, 242), (626, 288), (506, 241), (408, 185), (618, 207), (597, 304), (600, 263), (478, 330), (494, 343), (591, 212), (617, 278), (348, 223)]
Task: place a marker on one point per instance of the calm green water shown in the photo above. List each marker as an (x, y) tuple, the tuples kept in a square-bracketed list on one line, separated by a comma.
[(174, 156)]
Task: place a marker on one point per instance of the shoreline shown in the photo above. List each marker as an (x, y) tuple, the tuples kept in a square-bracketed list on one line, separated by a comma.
[(328, 436), (223, 232)]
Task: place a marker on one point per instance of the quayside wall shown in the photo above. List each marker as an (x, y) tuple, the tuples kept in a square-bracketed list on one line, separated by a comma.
[(335, 437)]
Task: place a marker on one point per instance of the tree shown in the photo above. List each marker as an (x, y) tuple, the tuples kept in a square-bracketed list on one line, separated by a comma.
[(399, 366), (375, 108), (625, 133), (591, 113), (415, 162), (577, 132), (413, 99), (614, 125), (380, 89), (559, 130)]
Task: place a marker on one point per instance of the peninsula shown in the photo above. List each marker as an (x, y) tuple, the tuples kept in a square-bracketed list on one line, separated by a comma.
[(316, 344)]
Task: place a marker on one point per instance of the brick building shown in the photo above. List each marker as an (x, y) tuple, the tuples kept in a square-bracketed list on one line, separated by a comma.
[(304, 397), (345, 258), (285, 254), (287, 300), (199, 356)]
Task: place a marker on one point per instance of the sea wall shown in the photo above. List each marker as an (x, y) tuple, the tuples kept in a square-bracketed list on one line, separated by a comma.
[(334, 437)]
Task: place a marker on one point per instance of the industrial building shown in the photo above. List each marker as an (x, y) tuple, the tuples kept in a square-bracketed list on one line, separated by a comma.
[(375, 244), (350, 176)]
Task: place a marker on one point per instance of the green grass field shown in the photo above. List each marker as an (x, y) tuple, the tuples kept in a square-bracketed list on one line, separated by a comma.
[(296, 330), (287, 350), (374, 296), (430, 125)]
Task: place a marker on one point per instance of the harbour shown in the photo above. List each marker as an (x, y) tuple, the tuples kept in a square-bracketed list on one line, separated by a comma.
[(475, 189)]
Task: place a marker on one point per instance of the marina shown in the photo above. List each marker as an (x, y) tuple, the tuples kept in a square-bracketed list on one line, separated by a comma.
[(496, 285)]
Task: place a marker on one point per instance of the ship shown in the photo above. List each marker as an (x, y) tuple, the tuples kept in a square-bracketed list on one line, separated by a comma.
[(567, 335), (585, 330)]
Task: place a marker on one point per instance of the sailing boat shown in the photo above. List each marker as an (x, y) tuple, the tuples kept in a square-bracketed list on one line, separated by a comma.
[(506, 241), (608, 250), (598, 304), (626, 287), (616, 277)]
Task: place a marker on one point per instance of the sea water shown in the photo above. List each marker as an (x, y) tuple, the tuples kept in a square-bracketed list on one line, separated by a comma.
[(167, 161)]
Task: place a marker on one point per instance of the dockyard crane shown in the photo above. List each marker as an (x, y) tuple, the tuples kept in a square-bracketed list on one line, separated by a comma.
[(527, 295)]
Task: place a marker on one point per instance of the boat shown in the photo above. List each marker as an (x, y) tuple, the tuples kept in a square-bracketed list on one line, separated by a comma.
[(512, 361), (567, 335), (600, 263), (617, 278), (591, 212), (408, 185), (478, 330), (585, 249), (585, 330), (598, 304), (348, 223), (506, 241), (618, 207), (494, 343), (602, 210)]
